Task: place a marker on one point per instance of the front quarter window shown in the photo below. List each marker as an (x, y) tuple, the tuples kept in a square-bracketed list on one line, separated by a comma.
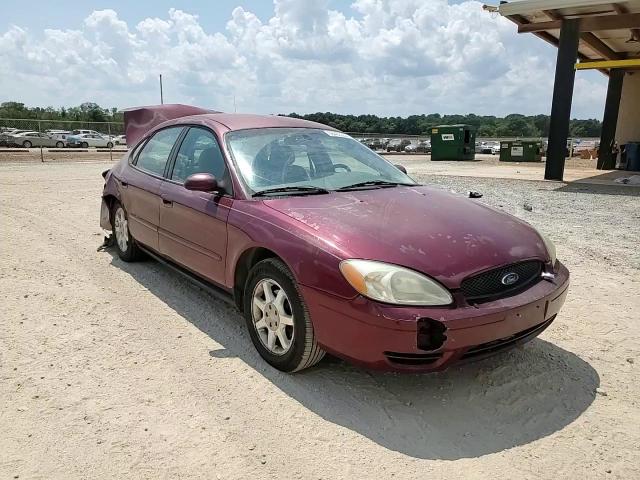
[(271, 158), (200, 153)]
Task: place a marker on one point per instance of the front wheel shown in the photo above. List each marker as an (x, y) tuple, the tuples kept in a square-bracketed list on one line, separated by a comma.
[(84, 145), (109, 145), (277, 318), (59, 144), (125, 244), (27, 144)]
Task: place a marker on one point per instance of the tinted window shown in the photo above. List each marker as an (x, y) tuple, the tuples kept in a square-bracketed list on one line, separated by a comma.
[(200, 153), (155, 153)]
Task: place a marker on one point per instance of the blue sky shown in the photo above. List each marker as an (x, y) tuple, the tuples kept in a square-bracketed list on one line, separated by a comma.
[(71, 13), (388, 57)]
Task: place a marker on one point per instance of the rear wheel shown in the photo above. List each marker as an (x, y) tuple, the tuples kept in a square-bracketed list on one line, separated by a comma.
[(27, 144), (109, 145), (84, 145), (125, 244), (59, 144), (277, 318)]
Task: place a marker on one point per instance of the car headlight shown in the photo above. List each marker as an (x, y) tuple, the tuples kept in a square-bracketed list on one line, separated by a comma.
[(393, 284), (551, 248)]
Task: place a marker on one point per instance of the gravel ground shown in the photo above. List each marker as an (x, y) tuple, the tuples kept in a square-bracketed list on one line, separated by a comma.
[(113, 370)]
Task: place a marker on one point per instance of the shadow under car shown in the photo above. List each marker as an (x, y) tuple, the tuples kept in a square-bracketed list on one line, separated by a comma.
[(470, 410)]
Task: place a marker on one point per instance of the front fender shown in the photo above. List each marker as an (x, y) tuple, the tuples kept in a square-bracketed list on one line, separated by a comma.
[(312, 262)]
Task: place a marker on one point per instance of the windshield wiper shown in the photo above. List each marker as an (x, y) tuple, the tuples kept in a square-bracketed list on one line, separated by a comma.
[(376, 183), (300, 190)]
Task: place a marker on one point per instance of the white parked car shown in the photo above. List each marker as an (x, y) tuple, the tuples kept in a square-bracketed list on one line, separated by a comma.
[(34, 139), (82, 132), (120, 140), (59, 135), (89, 140)]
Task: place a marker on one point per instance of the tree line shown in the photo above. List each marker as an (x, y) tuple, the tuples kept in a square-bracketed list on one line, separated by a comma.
[(514, 125), (86, 112)]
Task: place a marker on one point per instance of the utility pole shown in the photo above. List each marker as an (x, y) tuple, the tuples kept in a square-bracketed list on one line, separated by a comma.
[(161, 96)]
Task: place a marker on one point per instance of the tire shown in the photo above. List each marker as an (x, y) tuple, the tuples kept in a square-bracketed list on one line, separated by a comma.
[(109, 145), (126, 246), (303, 350), (27, 144), (59, 144), (84, 145)]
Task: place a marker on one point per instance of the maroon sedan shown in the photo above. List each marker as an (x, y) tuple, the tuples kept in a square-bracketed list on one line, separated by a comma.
[(324, 245)]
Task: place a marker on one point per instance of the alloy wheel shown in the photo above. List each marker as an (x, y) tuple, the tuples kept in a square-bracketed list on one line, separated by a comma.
[(273, 316), (121, 229)]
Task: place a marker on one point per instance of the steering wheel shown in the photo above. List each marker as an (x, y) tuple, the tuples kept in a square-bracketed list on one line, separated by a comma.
[(341, 165)]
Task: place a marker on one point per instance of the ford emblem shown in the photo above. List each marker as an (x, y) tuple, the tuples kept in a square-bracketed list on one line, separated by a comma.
[(510, 278)]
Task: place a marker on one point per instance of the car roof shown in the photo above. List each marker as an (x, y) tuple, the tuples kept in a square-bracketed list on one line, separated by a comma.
[(240, 121), (224, 122), (143, 121)]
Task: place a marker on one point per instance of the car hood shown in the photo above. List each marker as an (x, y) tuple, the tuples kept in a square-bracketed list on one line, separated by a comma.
[(444, 235)]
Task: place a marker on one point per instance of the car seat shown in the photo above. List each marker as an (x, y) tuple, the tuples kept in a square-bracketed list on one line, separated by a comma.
[(277, 167), (210, 161)]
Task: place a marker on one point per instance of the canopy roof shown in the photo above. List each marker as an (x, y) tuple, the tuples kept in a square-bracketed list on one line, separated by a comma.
[(609, 31)]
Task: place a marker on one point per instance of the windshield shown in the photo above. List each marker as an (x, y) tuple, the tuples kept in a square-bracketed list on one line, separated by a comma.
[(269, 158)]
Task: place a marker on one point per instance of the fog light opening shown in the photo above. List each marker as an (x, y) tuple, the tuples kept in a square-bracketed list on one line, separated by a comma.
[(431, 334)]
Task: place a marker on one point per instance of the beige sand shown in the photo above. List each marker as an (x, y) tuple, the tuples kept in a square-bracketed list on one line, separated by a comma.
[(113, 370)]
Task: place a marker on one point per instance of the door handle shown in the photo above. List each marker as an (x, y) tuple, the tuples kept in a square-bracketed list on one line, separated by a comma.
[(167, 203), (124, 184)]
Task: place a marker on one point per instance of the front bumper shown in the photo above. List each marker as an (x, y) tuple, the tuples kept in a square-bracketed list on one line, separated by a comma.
[(385, 337)]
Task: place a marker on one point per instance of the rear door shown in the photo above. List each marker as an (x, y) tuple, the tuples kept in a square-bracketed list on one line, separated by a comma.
[(35, 139), (94, 140), (140, 185), (47, 140), (193, 225)]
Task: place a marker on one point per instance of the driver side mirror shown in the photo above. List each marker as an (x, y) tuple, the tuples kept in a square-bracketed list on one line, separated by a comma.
[(202, 182), (401, 168)]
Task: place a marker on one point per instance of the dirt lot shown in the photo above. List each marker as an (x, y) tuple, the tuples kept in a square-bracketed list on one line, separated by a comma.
[(113, 370)]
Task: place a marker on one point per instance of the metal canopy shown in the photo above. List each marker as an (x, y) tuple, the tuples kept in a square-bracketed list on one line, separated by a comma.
[(608, 30), (593, 33)]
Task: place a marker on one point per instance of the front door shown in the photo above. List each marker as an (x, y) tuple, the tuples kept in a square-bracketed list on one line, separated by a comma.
[(193, 225), (140, 187)]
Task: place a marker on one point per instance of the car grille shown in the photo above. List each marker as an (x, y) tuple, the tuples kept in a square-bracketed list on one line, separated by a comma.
[(488, 286)]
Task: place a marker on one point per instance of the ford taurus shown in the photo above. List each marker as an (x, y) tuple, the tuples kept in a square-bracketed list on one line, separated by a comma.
[(324, 245)]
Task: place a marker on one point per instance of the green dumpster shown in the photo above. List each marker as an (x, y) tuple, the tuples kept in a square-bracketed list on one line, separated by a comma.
[(453, 142), (521, 151)]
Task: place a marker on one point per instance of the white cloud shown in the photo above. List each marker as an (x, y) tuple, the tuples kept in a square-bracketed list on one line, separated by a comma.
[(390, 57)]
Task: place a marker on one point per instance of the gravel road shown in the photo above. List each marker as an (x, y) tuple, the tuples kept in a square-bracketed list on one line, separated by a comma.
[(114, 370)]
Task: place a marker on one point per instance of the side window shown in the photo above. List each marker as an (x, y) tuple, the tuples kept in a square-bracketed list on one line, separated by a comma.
[(154, 155), (200, 153)]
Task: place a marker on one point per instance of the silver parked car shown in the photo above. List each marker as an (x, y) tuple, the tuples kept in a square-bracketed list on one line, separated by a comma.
[(86, 140), (35, 139)]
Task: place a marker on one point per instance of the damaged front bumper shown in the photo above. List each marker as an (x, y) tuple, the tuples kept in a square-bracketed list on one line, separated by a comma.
[(389, 337), (105, 216)]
